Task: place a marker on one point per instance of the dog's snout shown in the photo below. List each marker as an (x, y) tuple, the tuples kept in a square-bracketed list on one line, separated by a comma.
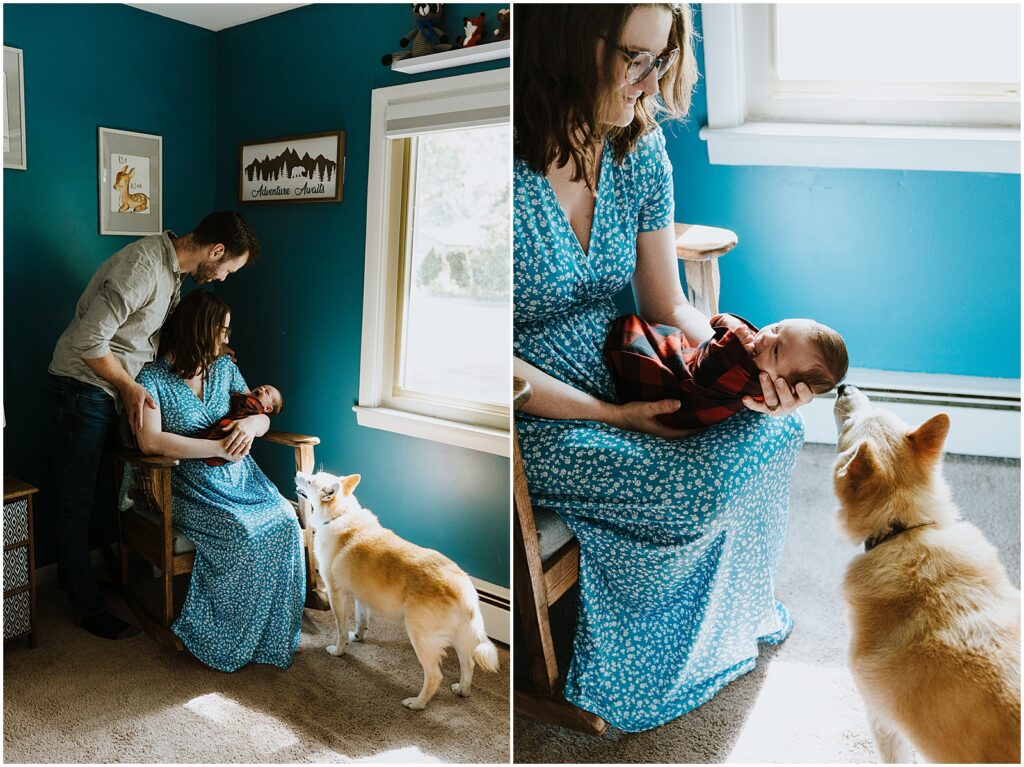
[(845, 389), (841, 389)]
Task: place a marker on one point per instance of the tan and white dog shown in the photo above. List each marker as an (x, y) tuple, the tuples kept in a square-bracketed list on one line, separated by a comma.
[(360, 560), (935, 621)]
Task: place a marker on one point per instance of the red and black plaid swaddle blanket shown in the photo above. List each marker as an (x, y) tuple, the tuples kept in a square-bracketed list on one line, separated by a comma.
[(655, 362)]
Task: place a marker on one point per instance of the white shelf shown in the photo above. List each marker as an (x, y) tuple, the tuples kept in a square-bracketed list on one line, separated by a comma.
[(455, 58)]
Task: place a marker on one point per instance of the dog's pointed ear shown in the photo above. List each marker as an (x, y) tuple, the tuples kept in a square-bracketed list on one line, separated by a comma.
[(860, 465), (327, 492), (349, 483), (929, 437)]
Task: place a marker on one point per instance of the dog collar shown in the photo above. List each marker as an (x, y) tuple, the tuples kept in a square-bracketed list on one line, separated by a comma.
[(892, 532)]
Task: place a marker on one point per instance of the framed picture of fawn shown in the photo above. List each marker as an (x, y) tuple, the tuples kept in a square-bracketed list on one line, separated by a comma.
[(131, 182), (308, 168), (14, 109)]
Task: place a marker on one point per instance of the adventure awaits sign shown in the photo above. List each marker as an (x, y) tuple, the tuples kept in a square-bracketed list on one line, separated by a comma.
[(306, 168)]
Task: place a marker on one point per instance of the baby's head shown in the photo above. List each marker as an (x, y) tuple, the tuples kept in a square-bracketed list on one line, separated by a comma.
[(802, 350), (270, 398)]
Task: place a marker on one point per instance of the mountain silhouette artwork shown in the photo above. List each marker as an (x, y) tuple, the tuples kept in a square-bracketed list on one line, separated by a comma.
[(285, 164), (289, 175)]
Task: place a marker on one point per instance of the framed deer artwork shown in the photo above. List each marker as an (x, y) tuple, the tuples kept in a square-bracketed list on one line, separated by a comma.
[(131, 182), (14, 109)]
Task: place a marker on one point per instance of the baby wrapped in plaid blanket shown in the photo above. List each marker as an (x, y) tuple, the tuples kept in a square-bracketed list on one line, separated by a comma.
[(654, 362), (265, 399)]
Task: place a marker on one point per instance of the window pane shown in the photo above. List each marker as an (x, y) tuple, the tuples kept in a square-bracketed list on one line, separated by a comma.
[(457, 332), (898, 43)]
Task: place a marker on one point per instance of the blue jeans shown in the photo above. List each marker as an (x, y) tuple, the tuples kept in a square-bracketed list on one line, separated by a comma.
[(84, 419)]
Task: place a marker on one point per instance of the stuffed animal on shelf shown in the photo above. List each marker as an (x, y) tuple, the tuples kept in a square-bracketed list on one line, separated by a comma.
[(425, 37), (504, 30), (475, 30)]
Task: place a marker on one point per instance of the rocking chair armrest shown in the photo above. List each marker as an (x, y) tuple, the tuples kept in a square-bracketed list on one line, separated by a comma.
[(695, 242), (290, 439), (140, 459)]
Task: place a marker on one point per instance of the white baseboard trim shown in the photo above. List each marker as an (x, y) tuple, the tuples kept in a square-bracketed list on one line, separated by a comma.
[(496, 610), (985, 412)]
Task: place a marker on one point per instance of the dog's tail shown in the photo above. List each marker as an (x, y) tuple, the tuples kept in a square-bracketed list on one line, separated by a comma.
[(484, 652)]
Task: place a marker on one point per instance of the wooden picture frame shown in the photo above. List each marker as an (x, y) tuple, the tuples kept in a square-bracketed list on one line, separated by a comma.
[(306, 168), (14, 111), (131, 182)]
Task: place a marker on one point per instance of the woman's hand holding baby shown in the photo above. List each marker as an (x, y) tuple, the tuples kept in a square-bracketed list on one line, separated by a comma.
[(779, 399), (225, 451), (241, 434), (643, 417)]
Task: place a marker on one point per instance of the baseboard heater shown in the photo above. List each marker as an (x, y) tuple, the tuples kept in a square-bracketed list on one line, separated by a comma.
[(985, 412)]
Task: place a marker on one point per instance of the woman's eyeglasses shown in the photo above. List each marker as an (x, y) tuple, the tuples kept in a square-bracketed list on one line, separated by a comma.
[(641, 63), (226, 330)]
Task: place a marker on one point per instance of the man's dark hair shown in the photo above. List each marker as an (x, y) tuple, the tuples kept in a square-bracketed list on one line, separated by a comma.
[(227, 227), (559, 85)]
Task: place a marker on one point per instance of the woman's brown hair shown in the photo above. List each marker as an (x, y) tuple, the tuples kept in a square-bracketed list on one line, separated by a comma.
[(191, 335), (559, 87)]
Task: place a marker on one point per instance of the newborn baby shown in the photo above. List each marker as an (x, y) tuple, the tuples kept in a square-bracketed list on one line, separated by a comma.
[(654, 362), (264, 399)]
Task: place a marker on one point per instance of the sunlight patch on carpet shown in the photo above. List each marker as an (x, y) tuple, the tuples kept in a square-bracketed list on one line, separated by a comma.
[(262, 730), (804, 713), (407, 755)]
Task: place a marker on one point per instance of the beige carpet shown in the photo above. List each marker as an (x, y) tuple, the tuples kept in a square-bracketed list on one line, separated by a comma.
[(75, 698), (799, 705)]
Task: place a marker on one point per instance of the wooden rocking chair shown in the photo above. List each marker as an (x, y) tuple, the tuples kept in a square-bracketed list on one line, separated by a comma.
[(146, 530)]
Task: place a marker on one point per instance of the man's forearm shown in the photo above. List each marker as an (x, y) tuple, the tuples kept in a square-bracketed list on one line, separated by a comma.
[(110, 370)]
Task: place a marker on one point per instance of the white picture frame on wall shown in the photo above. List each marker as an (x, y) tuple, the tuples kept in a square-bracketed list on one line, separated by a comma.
[(14, 109), (131, 182)]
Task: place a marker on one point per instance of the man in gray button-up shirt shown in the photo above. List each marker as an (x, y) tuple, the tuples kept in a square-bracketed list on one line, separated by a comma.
[(114, 333)]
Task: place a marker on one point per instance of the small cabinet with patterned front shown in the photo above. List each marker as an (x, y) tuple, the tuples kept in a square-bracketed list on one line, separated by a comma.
[(19, 561)]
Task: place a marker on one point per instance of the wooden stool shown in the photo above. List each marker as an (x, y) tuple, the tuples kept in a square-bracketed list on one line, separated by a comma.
[(699, 247)]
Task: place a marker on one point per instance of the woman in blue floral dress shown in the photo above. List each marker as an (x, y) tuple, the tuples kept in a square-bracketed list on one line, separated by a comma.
[(245, 598), (680, 533)]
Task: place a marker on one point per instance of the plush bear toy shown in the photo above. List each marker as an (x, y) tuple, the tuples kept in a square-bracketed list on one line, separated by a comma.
[(504, 29), (475, 31), (425, 37)]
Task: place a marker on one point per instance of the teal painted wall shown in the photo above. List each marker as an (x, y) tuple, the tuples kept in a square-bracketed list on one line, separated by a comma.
[(298, 313), (920, 271), (87, 66)]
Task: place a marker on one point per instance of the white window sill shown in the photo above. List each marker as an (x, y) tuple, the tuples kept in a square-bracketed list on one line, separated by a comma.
[(465, 435), (455, 58), (895, 147)]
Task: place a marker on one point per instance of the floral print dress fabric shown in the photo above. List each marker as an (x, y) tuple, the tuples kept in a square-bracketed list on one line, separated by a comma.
[(245, 597), (680, 540)]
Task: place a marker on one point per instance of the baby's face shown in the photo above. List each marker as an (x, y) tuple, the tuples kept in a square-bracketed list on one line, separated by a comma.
[(268, 396), (786, 349)]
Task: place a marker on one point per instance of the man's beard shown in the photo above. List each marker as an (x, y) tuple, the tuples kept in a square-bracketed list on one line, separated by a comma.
[(204, 273)]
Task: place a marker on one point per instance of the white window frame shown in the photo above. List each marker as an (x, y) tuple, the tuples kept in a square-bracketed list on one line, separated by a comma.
[(451, 103), (745, 126)]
